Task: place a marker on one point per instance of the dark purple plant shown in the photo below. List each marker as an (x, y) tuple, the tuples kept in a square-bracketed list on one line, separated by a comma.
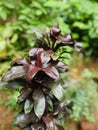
[(42, 96)]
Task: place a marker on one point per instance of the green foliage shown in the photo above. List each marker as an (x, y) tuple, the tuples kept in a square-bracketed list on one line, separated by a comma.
[(17, 20), (12, 100), (83, 96)]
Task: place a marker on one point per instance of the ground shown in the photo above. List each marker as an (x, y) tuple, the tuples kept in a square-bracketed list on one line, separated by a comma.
[(6, 114)]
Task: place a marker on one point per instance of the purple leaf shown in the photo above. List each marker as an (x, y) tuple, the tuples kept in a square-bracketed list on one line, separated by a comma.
[(24, 94), (21, 62), (34, 51), (45, 58), (65, 38), (31, 71), (49, 121), (15, 72), (61, 67), (59, 92), (39, 103), (55, 31), (52, 72)]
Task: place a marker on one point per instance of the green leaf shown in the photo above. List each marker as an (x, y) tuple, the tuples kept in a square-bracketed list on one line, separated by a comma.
[(50, 103), (39, 103), (3, 15), (28, 106), (14, 38), (7, 32), (2, 45), (59, 92), (80, 25)]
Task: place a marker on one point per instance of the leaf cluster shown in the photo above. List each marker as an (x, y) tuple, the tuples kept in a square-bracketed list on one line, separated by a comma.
[(42, 95)]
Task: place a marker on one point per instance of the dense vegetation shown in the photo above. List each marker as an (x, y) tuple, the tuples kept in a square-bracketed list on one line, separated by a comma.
[(17, 18)]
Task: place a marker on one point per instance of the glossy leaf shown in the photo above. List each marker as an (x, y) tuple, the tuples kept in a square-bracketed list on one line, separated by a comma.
[(61, 67), (65, 39), (28, 106), (24, 94), (31, 71), (49, 121), (15, 72), (52, 72), (39, 103), (21, 62), (34, 51), (54, 32), (25, 118), (59, 92), (50, 103)]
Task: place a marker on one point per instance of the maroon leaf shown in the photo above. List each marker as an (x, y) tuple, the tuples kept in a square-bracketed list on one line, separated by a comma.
[(31, 71), (24, 94), (49, 122), (61, 67), (34, 51), (55, 31), (45, 58), (13, 73), (21, 62), (52, 72), (39, 103), (65, 38)]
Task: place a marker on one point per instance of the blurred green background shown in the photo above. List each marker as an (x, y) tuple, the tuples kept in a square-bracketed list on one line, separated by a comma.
[(78, 17), (18, 17)]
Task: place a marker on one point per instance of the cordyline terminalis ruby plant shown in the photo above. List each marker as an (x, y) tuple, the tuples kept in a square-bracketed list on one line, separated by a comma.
[(42, 94)]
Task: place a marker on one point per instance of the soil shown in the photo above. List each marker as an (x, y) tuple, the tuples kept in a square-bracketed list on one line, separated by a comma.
[(6, 114)]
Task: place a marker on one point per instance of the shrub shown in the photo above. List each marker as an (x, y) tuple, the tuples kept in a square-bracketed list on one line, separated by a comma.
[(42, 94)]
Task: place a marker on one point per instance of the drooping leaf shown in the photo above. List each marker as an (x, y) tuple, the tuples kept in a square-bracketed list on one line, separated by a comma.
[(65, 39), (15, 83), (61, 67), (52, 72), (24, 94), (50, 103), (49, 121), (25, 118), (39, 103), (59, 92), (21, 61), (60, 107), (28, 106), (15, 72)]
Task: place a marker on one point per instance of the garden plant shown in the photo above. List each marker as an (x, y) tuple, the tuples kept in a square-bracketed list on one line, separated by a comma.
[(37, 77)]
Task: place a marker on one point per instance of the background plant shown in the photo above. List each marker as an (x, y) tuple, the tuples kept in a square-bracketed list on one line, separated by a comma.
[(18, 19), (83, 96)]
